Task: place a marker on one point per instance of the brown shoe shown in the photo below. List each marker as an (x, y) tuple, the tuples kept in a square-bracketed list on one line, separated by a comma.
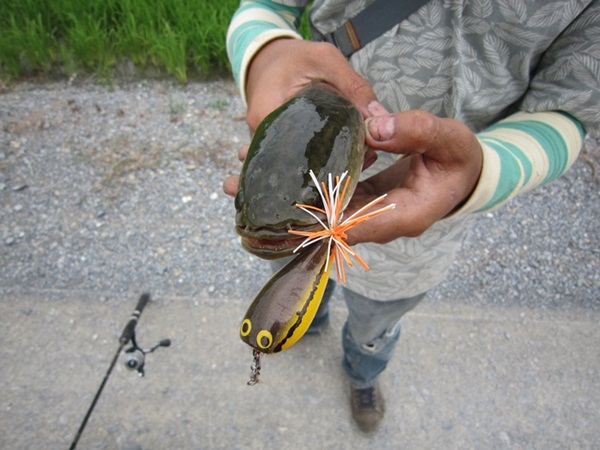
[(368, 407)]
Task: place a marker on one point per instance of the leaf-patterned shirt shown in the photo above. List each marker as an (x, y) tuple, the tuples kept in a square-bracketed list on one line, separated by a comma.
[(503, 67)]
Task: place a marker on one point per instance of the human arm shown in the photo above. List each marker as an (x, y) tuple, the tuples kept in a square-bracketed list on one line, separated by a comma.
[(440, 175), (282, 66), (254, 24), (271, 62), (448, 170), (521, 152)]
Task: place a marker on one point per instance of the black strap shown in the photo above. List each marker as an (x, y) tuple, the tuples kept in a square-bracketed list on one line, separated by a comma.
[(371, 23)]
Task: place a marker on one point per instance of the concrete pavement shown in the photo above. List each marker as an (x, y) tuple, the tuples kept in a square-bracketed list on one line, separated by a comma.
[(463, 377)]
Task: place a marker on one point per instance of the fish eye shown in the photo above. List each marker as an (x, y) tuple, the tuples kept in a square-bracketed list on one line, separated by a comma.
[(246, 327), (264, 339)]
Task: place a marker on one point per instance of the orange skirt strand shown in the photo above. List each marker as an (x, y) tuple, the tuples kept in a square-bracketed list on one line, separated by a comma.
[(334, 229)]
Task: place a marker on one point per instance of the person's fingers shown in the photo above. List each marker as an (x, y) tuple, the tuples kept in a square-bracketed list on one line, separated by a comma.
[(403, 132), (376, 109), (230, 185), (285, 66), (445, 141), (383, 182), (417, 202), (242, 152), (340, 74), (369, 158), (415, 211)]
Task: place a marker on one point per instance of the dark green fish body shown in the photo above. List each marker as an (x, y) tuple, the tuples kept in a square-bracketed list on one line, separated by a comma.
[(316, 130)]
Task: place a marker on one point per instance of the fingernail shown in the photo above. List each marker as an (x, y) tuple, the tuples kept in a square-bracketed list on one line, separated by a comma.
[(376, 108), (381, 128)]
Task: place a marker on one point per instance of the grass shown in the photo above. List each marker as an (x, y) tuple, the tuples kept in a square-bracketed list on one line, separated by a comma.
[(182, 38)]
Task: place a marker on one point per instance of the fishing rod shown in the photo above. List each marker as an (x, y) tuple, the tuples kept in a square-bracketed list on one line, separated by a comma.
[(135, 359)]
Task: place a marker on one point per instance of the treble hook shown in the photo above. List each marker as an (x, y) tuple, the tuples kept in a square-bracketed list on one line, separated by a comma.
[(255, 368)]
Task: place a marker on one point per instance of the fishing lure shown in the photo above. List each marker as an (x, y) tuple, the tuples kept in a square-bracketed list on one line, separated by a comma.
[(282, 209), (334, 230), (286, 306)]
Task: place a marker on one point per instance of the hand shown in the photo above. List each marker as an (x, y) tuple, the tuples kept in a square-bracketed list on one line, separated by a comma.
[(285, 66), (440, 171)]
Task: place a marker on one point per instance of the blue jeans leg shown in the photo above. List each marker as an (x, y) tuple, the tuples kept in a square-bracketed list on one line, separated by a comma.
[(370, 335)]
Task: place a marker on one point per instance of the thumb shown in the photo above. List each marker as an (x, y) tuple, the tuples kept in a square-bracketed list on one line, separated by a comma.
[(403, 132)]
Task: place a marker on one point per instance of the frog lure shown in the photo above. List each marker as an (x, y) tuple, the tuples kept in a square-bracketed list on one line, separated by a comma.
[(300, 172)]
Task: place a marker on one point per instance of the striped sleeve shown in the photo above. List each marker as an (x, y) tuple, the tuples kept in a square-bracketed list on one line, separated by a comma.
[(255, 23), (521, 152)]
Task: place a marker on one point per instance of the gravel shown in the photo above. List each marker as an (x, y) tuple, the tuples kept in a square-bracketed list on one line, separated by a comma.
[(117, 189)]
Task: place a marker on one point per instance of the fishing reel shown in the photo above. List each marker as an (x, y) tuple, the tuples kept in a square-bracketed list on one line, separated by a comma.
[(136, 356)]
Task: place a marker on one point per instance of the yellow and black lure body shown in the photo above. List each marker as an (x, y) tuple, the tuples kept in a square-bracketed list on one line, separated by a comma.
[(286, 306)]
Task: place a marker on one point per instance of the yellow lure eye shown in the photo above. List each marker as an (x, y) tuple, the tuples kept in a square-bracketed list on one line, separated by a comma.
[(264, 339), (246, 327)]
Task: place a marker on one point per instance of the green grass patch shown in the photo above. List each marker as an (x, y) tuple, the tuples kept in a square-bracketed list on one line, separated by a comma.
[(179, 37)]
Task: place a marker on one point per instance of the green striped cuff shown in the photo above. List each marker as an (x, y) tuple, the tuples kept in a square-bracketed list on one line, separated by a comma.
[(255, 23), (521, 152)]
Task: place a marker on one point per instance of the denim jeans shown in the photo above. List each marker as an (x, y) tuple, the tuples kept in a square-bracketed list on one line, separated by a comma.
[(370, 333)]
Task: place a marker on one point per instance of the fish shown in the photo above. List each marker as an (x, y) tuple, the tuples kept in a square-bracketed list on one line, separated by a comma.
[(316, 130)]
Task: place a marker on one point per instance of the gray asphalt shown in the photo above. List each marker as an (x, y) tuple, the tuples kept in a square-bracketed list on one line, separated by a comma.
[(110, 191)]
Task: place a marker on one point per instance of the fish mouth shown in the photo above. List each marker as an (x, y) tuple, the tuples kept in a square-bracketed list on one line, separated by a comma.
[(269, 243)]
